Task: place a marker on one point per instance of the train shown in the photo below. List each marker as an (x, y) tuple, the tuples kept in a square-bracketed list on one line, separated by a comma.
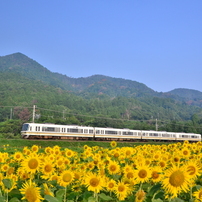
[(75, 132)]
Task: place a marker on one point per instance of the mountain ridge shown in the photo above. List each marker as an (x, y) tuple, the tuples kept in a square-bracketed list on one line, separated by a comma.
[(92, 85)]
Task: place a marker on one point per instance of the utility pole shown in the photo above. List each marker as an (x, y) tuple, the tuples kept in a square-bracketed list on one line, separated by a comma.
[(156, 125), (33, 116)]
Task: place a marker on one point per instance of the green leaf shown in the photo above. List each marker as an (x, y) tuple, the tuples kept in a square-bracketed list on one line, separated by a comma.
[(154, 189), (7, 183), (91, 199), (2, 198), (60, 194), (157, 200), (14, 200), (105, 197), (177, 200), (51, 198)]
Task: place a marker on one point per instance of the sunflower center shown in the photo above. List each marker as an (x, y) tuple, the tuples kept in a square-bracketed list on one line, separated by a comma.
[(162, 164), (116, 155), (185, 152), (18, 156), (94, 182), (177, 178), (130, 175), (142, 173), (111, 185), (121, 188), (112, 167), (33, 163), (48, 168), (155, 175), (176, 159), (67, 177), (191, 170)]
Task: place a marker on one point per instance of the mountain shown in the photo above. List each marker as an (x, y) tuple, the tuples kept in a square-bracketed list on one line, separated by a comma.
[(25, 82), (96, 84)]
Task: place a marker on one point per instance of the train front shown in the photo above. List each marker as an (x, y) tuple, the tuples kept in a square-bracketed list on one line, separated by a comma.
[(25, 129)]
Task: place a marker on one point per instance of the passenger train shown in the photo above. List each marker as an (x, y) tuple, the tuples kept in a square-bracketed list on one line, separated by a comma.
[(53, 131)]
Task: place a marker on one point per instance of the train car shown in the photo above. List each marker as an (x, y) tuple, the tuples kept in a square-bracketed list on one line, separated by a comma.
[(119, 134), (158, 135), (188, 136), (45, 131)]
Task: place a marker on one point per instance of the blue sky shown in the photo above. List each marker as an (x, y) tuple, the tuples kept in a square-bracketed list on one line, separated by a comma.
[(158, 42)]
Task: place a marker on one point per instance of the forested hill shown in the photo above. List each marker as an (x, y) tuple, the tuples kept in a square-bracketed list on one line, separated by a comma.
[(97, 100)]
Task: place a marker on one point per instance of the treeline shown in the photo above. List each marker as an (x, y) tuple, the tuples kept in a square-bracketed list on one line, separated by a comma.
[(11, 128), (18, 95)]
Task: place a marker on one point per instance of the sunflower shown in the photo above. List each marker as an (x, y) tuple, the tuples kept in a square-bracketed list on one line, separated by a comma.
[(156, 174), (113, 144), (122, 190), (47, 168), (110, 185), (66, 178), (32, 163), (198, 194), (130, 174), (176, 179), (113, 167), (31, 192), (18, 156), (143, 173), (94, 182), (140, 196), (4, 167), (193, 168), (69, 153), (35, 148)]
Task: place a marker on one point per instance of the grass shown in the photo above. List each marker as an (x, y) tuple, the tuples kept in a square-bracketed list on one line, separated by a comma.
[(12, 144)]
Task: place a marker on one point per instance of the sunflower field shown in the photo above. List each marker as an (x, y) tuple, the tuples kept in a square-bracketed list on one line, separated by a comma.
[(150, 173)]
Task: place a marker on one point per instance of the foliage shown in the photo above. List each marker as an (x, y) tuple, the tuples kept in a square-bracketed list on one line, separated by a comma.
[(97, 100)]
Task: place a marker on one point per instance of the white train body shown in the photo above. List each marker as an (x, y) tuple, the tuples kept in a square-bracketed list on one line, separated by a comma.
[(42, 130)]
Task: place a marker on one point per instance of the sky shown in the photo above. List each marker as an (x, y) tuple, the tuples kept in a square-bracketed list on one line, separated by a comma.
[(157, 43)]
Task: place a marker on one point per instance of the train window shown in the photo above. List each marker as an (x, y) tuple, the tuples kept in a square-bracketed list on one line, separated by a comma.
[(127, 133), (193, 136), (74, 130), (64, 130), (135, 133), (102, 131), (36, 128), (85, 130), (97, 131), (30, 128), (109, 132), (153, 134), (90, 131), (139, 134), (185, 136), (165, 135), (51, 129), (25, 127)]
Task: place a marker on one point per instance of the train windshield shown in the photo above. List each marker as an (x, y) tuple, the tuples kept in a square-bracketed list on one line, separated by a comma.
[(25, 127)]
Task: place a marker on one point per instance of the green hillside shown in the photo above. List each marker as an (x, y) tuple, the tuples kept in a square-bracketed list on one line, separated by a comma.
[(97, 100)]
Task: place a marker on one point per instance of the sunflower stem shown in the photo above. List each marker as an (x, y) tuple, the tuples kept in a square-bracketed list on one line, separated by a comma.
[(65, 196)]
